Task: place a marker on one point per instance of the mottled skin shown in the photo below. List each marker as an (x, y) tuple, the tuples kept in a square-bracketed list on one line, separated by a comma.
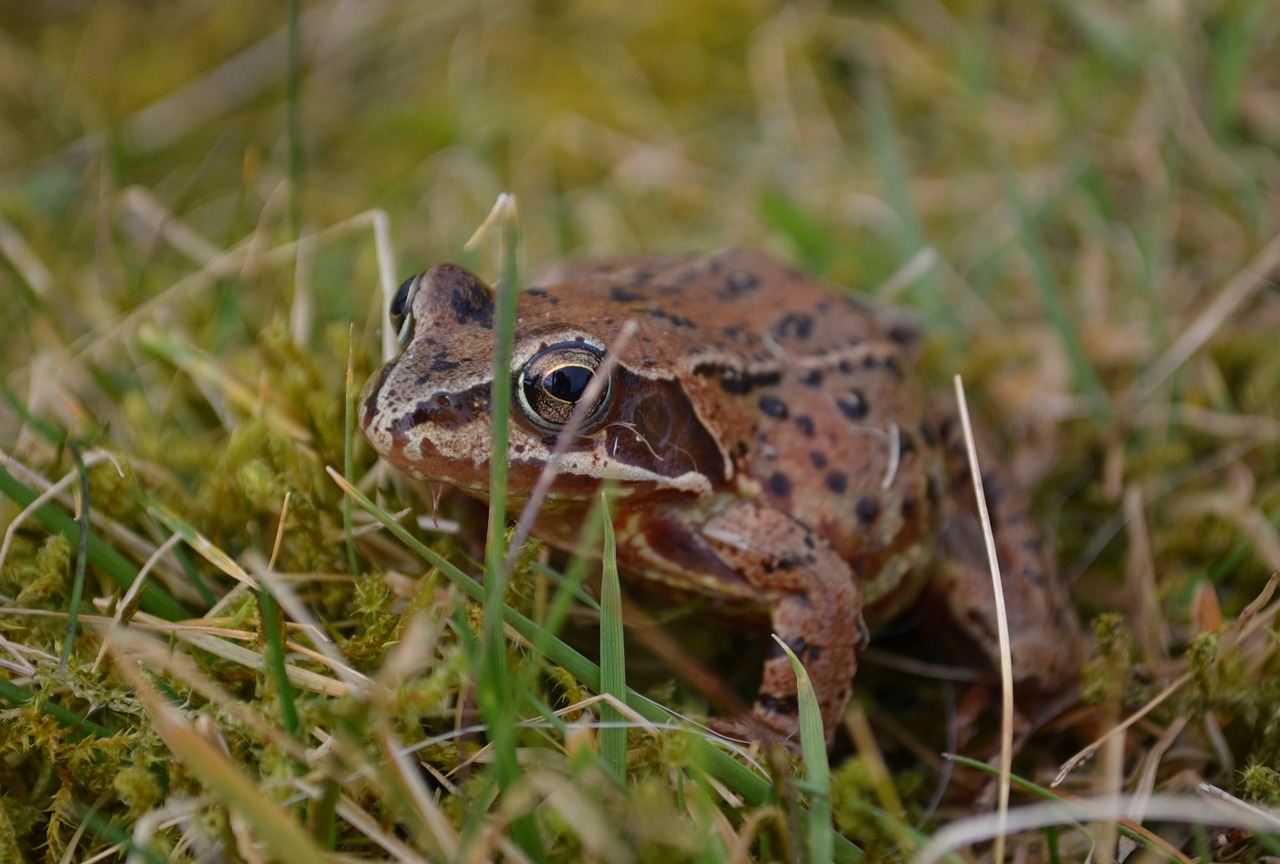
[(772, 449)]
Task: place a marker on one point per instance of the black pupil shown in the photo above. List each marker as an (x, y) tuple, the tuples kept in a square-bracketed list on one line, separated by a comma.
[(568, 382)]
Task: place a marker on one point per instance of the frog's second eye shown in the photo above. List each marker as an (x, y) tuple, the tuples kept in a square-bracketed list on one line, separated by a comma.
[(553, 381), (399, 311)]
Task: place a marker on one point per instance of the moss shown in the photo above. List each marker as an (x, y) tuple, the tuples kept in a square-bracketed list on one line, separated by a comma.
[(855, 807), (45, 580), (1109, 676)]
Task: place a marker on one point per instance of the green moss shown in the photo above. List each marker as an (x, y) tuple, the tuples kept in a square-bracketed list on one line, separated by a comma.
[(855, 797), (45, 581), (1108, 677)]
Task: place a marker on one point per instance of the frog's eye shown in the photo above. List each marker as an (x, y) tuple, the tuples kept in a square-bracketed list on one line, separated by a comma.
[(553, 381), (401, 319)]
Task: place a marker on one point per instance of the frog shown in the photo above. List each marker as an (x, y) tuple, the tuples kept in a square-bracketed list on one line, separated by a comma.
[(768, 445)]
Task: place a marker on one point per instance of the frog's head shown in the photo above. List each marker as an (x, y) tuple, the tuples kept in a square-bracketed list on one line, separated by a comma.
[(428, 411)]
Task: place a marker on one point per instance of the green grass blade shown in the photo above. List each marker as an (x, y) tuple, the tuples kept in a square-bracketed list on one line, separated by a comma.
[(751, 787), (1042, 276), (613, 676), (275, 659), (82, 556), (106, 559), (348, 448), (924, 293), (494, 690), (813, 747)]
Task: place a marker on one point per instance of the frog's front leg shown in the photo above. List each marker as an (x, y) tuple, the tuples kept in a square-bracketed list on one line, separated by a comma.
[(746, 551)]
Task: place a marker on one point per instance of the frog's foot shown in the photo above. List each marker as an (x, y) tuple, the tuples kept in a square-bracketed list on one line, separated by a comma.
[(815, 609), (747, 728)]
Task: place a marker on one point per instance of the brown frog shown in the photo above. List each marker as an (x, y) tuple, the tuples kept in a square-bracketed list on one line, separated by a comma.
[(771, 448)]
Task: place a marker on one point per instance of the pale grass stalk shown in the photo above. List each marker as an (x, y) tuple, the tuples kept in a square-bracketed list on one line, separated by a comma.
[(592, 826), (202, 545), (208, 760), (306, 623), (633, 721), (129, 647), (1002, 630), (410, 782), (1140, 579), (1145, 787), (207, 371), (161, 222), (171, 813), (128, 605), (231, 264), (133, 543), (1235, 505), (24, 260), (1191, 810)]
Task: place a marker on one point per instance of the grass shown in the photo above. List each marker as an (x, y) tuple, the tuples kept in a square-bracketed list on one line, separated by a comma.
[(202, 208)]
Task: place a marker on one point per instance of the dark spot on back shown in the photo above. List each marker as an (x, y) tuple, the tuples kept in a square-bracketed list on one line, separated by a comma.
[(805, 424), (779, 485), (440, 364), (786, 705), (867, 509), (674, 318), (812, 378), (740, 283), (818, 458), (773, 407), (927, 433), (892, 364), (735, 381), (794, 325), (838, 483), (909, 507), (854, 406), (622, 295), (906, 444)]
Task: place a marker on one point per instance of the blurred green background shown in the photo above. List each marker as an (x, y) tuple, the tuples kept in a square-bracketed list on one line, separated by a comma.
[(1141, 139)]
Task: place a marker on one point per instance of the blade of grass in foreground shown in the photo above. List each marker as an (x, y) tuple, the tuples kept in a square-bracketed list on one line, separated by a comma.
[(613, 655), (751, 787), (272, 824), (813, 747), (493, 688)]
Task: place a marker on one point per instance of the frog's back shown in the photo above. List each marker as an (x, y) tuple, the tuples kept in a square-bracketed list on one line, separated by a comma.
[(740, 303), (810, 391)]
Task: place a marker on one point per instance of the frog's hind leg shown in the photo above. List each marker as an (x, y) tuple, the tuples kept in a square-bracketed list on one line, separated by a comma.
[(759, 554), (1046, 641)]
